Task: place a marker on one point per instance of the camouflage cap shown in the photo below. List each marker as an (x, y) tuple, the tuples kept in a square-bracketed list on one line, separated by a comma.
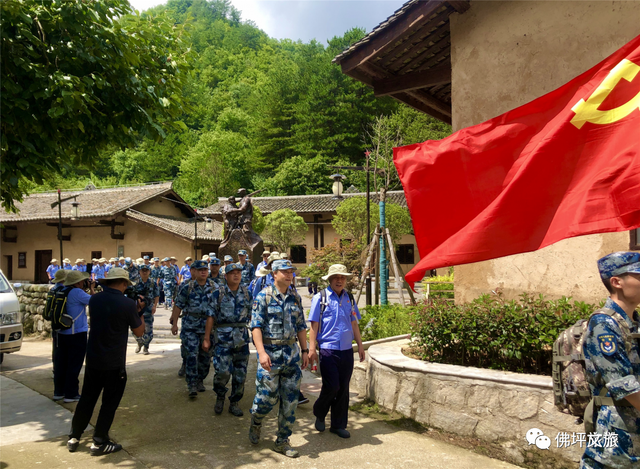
[(283, 264), (166, 259), (232, 267), (144, 267), (214, 261), (212, 254), (242, 252), (228, 258), (199, 265), (619, 263), (146, 258)]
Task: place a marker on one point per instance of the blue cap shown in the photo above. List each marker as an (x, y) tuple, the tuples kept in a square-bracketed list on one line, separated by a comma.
[(242, 252), (212, 254), (144, 267), (127, 261), (146, 258), (166, 259), (619, 263), (282, 264), (199, 265), (214, 261), (228, 258), (156, 258), (230, 267)]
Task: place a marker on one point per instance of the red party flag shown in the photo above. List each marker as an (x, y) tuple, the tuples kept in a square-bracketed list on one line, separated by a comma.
[(566, 164)]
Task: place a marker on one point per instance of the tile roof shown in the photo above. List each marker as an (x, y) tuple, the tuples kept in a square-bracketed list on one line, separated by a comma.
[(182, 227), (93, 203), (305, 203)]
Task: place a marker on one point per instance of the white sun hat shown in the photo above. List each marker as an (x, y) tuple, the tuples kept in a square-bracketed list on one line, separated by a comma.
[(337, 269)]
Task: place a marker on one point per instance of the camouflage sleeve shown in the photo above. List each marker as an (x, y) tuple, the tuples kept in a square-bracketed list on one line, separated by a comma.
[(301, 323), (605, 348), (259, 312), (156, 290), (216, 305), (181, 296)]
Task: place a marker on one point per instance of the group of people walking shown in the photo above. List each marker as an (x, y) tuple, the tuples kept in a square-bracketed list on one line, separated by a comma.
[(222, 309)]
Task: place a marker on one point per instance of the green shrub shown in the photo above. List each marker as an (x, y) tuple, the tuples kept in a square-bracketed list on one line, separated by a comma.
[(379, 322), (492, 333), (440, 286)]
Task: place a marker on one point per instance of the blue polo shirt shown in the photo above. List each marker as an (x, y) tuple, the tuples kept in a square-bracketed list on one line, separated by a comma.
[(336, 331), (68, 267), (186, 273), (77, 300), (52, 269), (99, 271)]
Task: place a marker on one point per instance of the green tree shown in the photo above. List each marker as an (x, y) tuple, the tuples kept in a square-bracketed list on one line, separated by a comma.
[(258, 220), (297, 176), (78, 76), (284, 228)]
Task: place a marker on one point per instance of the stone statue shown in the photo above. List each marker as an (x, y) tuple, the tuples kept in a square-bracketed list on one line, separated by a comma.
[(238, 226)]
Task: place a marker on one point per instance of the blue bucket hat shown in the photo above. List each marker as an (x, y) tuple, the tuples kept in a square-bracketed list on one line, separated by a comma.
[(619, 263), (282, 264), (230, 267), (242, 252), (146, 258), (214, 261), (144, 267), (228, 258), (199, 265)]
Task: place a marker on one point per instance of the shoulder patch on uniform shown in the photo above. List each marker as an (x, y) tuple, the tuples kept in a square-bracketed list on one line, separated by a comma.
[(255, 303), (607, 344)]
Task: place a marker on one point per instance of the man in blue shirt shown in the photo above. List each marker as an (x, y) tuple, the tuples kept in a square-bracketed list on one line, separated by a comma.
[(66, 264), (185, 272), (53, 267), (334, 325), (71, 344), (265, 260)]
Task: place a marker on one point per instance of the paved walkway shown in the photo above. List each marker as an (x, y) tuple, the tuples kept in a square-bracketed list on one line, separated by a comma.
[(160, 427)]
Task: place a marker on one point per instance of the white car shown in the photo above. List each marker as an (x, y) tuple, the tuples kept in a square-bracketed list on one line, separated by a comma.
[(11, 331)]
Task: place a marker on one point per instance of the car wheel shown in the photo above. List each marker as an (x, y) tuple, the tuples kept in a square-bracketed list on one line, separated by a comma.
[(1, 357)]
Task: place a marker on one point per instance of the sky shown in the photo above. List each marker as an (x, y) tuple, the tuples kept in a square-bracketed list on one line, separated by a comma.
[(307, 19)]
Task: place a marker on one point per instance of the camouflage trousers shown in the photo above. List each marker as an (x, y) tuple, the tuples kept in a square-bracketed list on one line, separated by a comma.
[(169, 293), (588, 463), (147, 337), (197, 361), (230, 363), (281, 383)]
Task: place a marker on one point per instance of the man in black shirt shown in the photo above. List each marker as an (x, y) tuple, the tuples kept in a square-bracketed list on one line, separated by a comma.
[(112, 314)]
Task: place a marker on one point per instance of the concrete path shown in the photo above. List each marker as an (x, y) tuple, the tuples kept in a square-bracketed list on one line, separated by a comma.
[(160, 427)]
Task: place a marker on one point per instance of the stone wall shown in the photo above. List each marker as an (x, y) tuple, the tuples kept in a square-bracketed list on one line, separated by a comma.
[(498, 407), (32, 300)]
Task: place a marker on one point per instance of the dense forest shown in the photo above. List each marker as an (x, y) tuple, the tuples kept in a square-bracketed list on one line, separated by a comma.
[(262, 114)]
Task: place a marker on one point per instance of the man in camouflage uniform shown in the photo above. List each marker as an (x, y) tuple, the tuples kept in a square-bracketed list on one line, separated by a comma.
[(215, 273), (149, 290), (132, 269), (232, 313), (248, 270), (169, 282), (194, 300), (277, 319), (612, 363)]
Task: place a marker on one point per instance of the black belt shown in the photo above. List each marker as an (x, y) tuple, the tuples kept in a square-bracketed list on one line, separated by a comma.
[(269, 341), (196, 315)]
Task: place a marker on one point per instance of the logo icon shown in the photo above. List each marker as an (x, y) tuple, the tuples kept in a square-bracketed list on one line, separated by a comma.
[(536, 437)]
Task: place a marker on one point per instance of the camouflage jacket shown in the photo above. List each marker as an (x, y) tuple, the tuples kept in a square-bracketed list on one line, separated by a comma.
[(248, 273), (279, 316), (232, 308), (196, 303), (168, 275), (150, 291)]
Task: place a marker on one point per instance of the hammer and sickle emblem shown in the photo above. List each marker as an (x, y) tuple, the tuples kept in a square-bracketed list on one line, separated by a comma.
[(587, 111)]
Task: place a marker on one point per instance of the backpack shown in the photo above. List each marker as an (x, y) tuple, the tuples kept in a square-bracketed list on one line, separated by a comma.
[(48, 308), (57, 309), (324, 302), (570, 386)]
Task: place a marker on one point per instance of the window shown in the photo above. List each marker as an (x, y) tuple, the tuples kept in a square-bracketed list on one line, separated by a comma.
[(22, 260), (635, 239), (404, 253), (95, 255), (299, 254), (149, 253)]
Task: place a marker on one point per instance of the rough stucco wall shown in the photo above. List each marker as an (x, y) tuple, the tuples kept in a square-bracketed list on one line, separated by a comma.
[(160, 206), (505, 54)]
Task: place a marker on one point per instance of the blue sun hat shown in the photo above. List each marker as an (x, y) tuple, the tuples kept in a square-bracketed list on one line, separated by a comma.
[(618, 263)]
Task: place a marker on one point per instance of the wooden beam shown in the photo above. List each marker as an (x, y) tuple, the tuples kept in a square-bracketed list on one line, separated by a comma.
[(459, 5), (433, 103), (56, 225), (111, 222), (435, 48), (412, 81), (389, 35), (422, 107)]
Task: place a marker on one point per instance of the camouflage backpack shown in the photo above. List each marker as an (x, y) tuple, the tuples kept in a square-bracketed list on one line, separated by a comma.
[(570, 387)]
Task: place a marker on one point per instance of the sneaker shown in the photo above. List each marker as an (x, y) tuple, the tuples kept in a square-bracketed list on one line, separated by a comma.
[(181, 371), (72, 445), (254, 432), (139, 347), (341, 432), (201, 387), (68, 400), (146, 350), (302, 399), (57, 397), (193, 391), (105, 448), (286, 449), (320, 425), (235, 409), (219, 405)]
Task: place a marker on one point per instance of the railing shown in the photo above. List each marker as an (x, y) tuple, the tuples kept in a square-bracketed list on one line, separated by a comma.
[(440, 293)]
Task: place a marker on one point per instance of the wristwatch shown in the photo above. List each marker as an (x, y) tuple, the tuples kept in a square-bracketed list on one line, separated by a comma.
[(304, 350)]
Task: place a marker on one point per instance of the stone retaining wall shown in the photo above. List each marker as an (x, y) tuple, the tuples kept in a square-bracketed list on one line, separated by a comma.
[(499, 407), (32, 300)]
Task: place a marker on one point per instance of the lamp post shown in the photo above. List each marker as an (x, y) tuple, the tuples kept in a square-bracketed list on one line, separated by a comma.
[(74, 214)]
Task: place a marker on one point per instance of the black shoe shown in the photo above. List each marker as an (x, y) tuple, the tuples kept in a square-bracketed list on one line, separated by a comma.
[(193, 391), (235, 409), (105, 448), (302, 399), (201, 387), (181, 372), (320, 425), (341, 432), (72, 445), (254, 432), (219, 406)]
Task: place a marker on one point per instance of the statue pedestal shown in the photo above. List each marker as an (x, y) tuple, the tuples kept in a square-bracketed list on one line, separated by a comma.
[(251, 242)]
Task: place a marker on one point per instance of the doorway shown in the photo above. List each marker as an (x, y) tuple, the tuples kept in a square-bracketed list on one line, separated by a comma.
[(43, 259), (8, 267)]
